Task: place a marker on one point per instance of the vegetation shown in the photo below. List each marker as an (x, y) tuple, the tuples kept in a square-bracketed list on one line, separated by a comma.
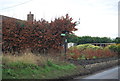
[(37, 36), (88, 51), (117, 40), (27, 38), (86, 46), (31, 66), (88, 39), (73, 38), (35, 67), (114, 48)]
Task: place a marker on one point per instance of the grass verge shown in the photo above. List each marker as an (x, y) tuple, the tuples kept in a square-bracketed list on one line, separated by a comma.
[(34, 67), (40, 67)]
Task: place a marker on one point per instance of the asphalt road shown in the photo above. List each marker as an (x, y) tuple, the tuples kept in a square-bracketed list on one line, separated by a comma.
[(112, 73), (107, 74)]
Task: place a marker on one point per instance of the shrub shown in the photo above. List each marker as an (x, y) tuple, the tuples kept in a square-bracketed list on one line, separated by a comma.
[(88, 51), (118, 49), (39, 36), (114, 47), (73, 54), (85, 46)]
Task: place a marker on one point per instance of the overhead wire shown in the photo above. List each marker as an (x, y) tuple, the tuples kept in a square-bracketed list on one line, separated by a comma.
[(16, 5)]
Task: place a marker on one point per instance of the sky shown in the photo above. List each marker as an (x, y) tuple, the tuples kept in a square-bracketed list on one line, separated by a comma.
[(97, 17)]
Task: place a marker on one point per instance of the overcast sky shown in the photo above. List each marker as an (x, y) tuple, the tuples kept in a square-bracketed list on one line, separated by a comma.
[(97, 17)]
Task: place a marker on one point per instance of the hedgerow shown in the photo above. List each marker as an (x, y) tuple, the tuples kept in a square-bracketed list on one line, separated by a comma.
[(37, 36)]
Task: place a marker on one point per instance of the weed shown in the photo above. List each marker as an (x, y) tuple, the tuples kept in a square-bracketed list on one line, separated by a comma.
[(15, 67)]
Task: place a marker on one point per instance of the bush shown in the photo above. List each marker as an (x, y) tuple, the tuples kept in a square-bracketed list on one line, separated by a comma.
[(114, 47), (118, 49), (88, 51), (41, 36), (85, 46)]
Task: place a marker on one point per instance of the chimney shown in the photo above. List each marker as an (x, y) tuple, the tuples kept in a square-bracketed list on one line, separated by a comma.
[(30, 17)]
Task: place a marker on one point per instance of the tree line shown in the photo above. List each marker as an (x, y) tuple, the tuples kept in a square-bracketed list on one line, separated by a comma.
[(88, 39)]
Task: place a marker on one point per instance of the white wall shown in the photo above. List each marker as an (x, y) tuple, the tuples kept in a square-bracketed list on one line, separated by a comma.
[(70, 45)]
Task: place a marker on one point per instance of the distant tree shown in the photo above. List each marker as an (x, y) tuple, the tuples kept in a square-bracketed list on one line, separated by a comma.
[(73, 38), (88, 39), (85, 39), (106, 40), (117, 40)]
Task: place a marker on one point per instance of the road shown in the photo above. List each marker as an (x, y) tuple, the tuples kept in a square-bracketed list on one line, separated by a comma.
[(107, 74)]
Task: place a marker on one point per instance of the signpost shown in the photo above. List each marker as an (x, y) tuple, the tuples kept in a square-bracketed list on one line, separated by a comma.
[(65, 41)]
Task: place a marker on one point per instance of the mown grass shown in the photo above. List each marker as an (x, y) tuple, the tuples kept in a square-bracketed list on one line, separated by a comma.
[(30, 66)]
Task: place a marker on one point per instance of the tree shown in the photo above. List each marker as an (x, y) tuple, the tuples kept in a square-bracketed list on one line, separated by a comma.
[(117, 40), (73, 38), (37, 36), (88, 39)]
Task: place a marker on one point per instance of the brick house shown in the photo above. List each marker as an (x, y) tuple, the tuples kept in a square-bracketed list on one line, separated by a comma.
[(30, 18)]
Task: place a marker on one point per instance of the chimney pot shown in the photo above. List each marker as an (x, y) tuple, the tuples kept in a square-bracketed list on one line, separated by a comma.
[(30, 17)]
